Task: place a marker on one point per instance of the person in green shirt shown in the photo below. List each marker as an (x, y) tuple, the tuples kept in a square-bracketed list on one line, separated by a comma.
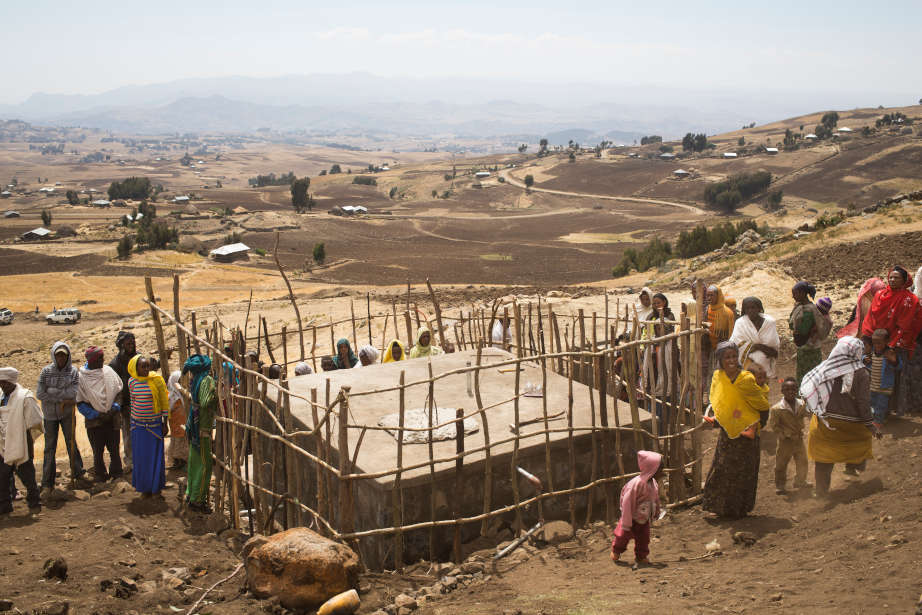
[(199, 427), (804, 322)]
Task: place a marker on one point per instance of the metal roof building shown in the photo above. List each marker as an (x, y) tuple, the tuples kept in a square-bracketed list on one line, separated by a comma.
[(231, 252)]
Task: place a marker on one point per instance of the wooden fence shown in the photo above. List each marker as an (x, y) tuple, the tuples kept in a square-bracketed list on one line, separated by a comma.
[(273, 471)]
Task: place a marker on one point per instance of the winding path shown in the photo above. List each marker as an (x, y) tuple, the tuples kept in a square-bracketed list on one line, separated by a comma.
[(511, 180)]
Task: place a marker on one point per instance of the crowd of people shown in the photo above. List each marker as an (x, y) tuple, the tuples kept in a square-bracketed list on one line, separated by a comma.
[(129, 411), (872, 372)]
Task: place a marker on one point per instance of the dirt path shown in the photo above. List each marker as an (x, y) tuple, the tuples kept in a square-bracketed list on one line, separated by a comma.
[(511, 180)]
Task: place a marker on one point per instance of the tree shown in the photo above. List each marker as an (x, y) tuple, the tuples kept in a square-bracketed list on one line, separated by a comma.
[(130, 188), (688, 142), (529, 181), (774, 199), (651, 139), (572, 157), (542, 147), (822, 132), (335, 169), (392, 192), (299, 199), (524, 146), (789, 138), (741, 141), (323, 172), (320, 253), (830, 120), (46, 217), (72, 197), (701, 142), (124, 247)]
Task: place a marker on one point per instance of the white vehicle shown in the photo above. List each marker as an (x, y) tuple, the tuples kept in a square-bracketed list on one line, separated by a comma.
[(63, 316), (6, 316)]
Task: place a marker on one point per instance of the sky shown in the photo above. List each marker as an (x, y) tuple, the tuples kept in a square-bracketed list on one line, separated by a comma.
[(92, 46)]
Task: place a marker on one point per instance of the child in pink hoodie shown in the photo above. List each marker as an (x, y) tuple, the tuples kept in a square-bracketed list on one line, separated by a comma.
[(639, 507)]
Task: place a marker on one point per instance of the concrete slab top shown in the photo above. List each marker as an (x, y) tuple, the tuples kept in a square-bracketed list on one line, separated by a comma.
[(378, 451)]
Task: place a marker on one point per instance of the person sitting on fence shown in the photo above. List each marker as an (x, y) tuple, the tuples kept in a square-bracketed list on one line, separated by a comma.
[(394, 352), (344, 358), (199, 427), (424, 346), (99, 389), (179, 447), (149, 409), (368, 355), (639, 508), (303, 369)]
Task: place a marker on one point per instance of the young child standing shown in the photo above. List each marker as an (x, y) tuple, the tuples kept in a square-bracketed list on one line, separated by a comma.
[(786, 419), (639, 508), (883, 363)]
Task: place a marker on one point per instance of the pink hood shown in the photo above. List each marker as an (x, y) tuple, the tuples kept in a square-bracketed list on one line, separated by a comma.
[(640, 496)]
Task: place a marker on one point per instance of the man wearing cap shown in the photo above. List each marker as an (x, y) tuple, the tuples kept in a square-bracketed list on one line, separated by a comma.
[(57, 389), (126, 350), (20, 419), (98, 390)]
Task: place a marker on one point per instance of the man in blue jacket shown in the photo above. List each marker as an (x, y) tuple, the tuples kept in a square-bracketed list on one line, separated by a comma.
[(57, 390)]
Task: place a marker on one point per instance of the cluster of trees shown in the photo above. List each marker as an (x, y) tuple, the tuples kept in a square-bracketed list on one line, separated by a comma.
[(529, 181), (320, 253), (702, 239), (364, 180), (773, 202), (46, 218), (155, 235), (892, 118), (655, 253), (335, 169), (131, 188), (726, 195), (300, 198), (523, 148), (72, 197), (651, 139), (827, 124), (271, 179), (542, 147), (694, 142), (95, 157)]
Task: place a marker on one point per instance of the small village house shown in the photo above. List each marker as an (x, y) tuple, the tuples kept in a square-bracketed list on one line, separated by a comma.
[(231, 252)]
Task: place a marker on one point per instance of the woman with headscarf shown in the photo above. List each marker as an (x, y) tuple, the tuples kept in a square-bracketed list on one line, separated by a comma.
[(344, 358), (395, 352), (179, 446), (804, 323), (199, 426), (719, 319), (149, 409), (896, 309), (644, 304), (740, 407), (866, 295), (838, 394), (756, 335), (656, 374), (424, 346), (368, 355)]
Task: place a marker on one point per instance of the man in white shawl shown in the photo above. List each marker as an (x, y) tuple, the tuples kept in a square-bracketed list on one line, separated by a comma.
[(756, 335), (20, 422), (98, 387)]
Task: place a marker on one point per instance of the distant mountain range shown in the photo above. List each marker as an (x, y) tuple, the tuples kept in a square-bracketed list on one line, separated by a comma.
[(370, 105)]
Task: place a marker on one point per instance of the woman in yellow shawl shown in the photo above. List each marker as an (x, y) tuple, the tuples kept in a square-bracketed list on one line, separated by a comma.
[(424, 346), (149, 409), (395, 352), (740, 405)]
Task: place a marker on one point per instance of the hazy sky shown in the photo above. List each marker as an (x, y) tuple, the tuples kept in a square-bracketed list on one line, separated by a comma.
[(90, 46)]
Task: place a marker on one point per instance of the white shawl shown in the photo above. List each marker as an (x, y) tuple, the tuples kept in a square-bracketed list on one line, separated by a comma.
[(23, 415), (98, 387), (745, 335)]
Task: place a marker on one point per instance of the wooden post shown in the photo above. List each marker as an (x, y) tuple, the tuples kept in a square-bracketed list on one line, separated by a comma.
[(284, 374), (547, 434), (410, 339), (570, 448), (459, 484), (397, 493), (198, 347), (438, 313), (346, 520), (487, 461), (291, 294), (158, 329), (394, 314), (432, 410), (319, 449), (602, 382), (355, 339), (268, 345), (313, 347), (514, 461), (368, 312), (516, 310)]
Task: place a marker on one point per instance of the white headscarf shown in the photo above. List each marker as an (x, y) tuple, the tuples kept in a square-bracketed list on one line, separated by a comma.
[(918, 283), (303, 369), (9, 374), (173, 392), (844, 361), (98, 387), (369, 352)]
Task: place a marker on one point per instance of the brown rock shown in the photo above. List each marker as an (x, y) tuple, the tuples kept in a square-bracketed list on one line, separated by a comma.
[(301, 567)]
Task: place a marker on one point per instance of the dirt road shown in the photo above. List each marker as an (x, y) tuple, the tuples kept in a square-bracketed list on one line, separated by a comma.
[(513, 181)]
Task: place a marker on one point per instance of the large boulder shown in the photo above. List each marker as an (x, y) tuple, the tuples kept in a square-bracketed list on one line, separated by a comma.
[(300, 566)]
